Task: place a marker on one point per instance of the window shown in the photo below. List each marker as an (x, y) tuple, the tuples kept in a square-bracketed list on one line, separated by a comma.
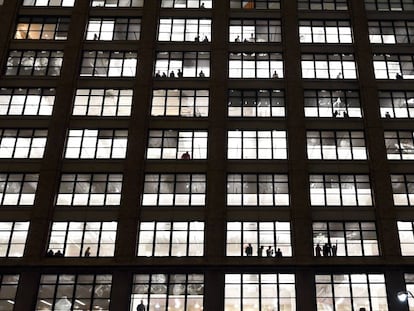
[(403, 189), (257, 190), (351, 238), (340, 190), (42, 28), (352, 292), (48, 2), (175, 239), (255, 30), (406, 234), (22, 143), (174, 190), (336, 145), (255, 65), (328, 66), (108, 64), (177, 144), (103, 102), (110, 29), (27, 102), (167, 291), (399, 144), (96, 144), (8, 288), (255, 4), (182, 64), (312, 31), (256, 103), (326, 5), (180, 29), (391, 32), (398, 67), (118, 3), (264, 236), (396, 104), (13, 238), (74, 239), (262, 291), (180, 102), (389, 5), (74, 292), (256, 144), (18, 189), (34, 63), (89, 189), (183, 4), (332, 104)]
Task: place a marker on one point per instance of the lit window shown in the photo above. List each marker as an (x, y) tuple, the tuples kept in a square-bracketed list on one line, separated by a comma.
[(332, 104), (74, 292), (8, 288), (89, 190), (255, 4), (103, 102), (48, 2), (193, 30), (13, 238), (338, 292), (265, 237), (393, 66), (27, 102), (406, 234), (176, 239), (403, 189), (326, 5), (340, 190), (180, 102), (177, 144), (174, 190), (251, 30), (396, 104), (389, 5), (183, 4), (256, 145), (108, 64), (353, 238), (256, 65), (34, 63), (83, 239), (315, 31), (399, 144), (182, 64), (22, 143), (328, 66), (118, 3), (42, 28), (166, 291), (409, 284), (391, 32), (18, 189), (257, 190), (110, 29), (336, 145)]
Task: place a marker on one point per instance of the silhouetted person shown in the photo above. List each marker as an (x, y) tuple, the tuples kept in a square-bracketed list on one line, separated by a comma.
[(260, 251), (325, 250), (237, 39), (88, 252), (398, 76), (95, 36), (275, 75), (278, 253), (334, 250), (164, 75), (249, 250), (58, 254), (185, 156), (269, 252), (387, 115), (335, 114), (346, 114), (172, 74), (318, 250), (49, 253), (157, 74), (197, 39), (141, 306), (202, 6), (201, 74), (179, 73)]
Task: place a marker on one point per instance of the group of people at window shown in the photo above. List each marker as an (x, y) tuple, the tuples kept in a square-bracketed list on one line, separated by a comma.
[(326, 250), (59, 253), (261, 252), (179, 74)]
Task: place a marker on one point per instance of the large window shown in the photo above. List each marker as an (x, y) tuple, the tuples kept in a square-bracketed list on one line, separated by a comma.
[(255, 4), (89, 189), (392, 66), (18, 189), (255, 65), (315, 31), (83, 239), (106, 28), (256, 103), (183, 4), (34, 63), (265, 238), (177, 144), (174, 190), (180, 102), (103, 102), (350, 238), (328, 66), (336, 145), (326, 5), (22, 143), (409, 284), (108, 64), (403, 189), (352, 292), (13, 238), (255, 30), (391, 32), (118, 3), (406, 234), (396, 104), (399, 144), (27, 102), (48, 2), (8, 289), (74, 292), (263, 291), (389, 5), (256, 144), (340, 190), (182, 64), (177, 239), (163, 292), (179, 29), (96, 144), (42, 28), (257, 190), (332, 104)]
